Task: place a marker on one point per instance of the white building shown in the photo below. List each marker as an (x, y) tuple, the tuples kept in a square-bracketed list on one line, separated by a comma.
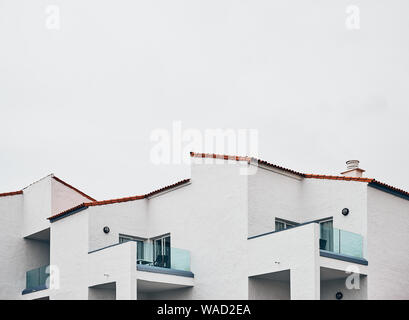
[(244, 229)]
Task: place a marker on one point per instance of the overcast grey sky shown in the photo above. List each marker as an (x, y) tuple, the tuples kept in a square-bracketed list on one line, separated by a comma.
[(82, 101)]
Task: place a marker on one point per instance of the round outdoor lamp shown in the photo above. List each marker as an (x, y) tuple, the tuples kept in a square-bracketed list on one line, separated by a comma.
[(345, 211), (106, 229)]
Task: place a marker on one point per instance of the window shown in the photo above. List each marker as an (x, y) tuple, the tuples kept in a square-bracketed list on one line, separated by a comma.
[(139, 245), (161, 252), (284, 224), (280, 225), (327, 235)]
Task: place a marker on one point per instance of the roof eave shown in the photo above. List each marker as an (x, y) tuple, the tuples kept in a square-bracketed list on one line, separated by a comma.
[(12, 193)]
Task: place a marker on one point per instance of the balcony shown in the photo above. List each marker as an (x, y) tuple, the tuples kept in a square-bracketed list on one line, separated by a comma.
[(36, 279), (341, 242), (119, 267), (163, 260), (307, 261)]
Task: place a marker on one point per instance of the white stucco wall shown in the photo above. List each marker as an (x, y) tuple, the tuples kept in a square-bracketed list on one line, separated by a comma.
[(43, 199), (129, 218), (211, 218), (64, 197), (208, 218), (69, 255), (272, 195), (114, 264), (296, 250), (37, 207), (78, 269), (329, 288), (388, 246), (17, 255), (286, 196), (323, 198), (266, 289), (37, 295), (12, 275), (101, 294)]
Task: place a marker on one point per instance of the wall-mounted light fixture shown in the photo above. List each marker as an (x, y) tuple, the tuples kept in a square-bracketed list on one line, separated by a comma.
[(106, 230), (339, 295), (345, 211)]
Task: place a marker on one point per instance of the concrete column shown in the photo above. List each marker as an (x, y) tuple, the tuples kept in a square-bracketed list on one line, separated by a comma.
[(126, 284), (305, 275), (126, 289), (115, 264), (305, 283)]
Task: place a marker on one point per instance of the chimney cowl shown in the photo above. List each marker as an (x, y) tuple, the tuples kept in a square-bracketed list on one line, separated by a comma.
[(352, 164), (353, 169)]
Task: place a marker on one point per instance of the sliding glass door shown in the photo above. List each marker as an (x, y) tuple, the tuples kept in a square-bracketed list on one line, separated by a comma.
[(327, 236), (161, 252)]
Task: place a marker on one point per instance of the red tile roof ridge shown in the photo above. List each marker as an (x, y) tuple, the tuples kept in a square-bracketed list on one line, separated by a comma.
[(242, 158), (374, 181), (220, 156), (304, 175), (236, 158), (330, 177)]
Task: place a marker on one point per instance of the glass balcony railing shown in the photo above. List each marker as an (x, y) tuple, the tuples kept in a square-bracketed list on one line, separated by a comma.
[(164, 257), (341, 242), (37, 277)]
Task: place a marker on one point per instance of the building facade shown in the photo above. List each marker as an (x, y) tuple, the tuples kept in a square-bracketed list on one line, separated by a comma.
[(238, 228)]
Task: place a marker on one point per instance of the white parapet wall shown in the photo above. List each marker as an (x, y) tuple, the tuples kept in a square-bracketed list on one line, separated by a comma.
[(115, 264), (295, 249)]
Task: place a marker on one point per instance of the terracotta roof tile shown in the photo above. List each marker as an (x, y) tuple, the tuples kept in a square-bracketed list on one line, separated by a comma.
[(219, 156), (304, 175), (238, 158), (387, 186), (223, 157), (11, 193), (279, 167), (119, 200), (320, 176)]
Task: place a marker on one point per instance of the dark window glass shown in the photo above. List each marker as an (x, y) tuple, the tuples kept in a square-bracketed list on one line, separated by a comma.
[(280, 226)]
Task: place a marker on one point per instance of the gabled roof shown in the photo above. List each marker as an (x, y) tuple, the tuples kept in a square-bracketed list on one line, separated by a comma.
[(370, 181), (85, 205), (73, 188), (56, 179)]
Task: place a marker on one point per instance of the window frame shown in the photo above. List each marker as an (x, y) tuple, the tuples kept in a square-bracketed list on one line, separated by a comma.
[(140, 254), (163, 248), (287, 224)]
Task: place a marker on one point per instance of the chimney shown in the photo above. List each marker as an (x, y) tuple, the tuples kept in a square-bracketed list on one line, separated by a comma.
[(353, 169)]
